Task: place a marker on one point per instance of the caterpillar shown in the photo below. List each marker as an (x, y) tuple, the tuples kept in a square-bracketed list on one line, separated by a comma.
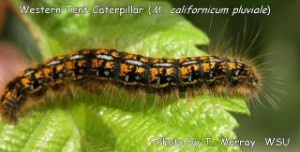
[(154, 75)]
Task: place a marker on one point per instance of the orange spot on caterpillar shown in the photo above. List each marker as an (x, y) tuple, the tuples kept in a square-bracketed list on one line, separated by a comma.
[(195, 75)]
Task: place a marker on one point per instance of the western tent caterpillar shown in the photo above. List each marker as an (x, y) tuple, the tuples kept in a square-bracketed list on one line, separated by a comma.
[(212, 74)]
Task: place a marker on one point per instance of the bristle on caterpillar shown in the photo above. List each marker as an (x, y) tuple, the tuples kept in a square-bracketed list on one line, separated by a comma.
[(205, 74)]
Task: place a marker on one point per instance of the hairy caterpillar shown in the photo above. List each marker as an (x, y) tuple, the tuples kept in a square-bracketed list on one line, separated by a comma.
[(216, 75)]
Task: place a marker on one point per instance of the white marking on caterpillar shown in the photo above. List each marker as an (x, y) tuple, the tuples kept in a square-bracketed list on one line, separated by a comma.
[(106, 73), (29, 73), (75, 57), (217, 60), (189, 62), (127, 78), (105, 57), (163, 64), (134, 62), (53, 63)]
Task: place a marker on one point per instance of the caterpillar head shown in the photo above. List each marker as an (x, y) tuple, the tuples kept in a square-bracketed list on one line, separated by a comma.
[(245, 78)]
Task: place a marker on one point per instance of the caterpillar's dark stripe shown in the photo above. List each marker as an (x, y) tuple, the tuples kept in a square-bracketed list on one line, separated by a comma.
[(219, 74)]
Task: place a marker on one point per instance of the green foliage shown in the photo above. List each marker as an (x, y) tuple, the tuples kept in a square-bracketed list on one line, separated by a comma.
[(115, 121)]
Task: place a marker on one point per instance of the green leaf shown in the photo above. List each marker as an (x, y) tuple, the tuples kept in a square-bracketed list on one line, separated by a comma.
[(117, 120)]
